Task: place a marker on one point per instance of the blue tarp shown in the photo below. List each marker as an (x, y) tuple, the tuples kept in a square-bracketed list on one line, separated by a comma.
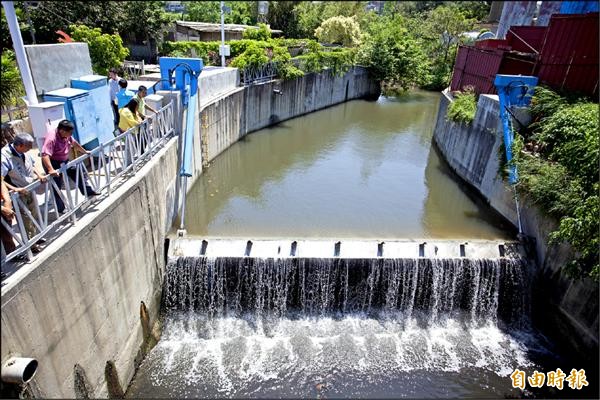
[(579, 7)]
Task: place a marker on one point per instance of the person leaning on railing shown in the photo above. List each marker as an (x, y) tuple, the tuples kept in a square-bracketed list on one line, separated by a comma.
[(129, 118), (7, 215), (142, 106), (55, 153), (18, 171)]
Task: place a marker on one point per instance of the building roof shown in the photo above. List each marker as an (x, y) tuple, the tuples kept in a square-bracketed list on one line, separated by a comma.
[(210, 27)]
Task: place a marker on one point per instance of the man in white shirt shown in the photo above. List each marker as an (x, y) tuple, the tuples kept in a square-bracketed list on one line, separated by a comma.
[(113, 84), (18, 171)]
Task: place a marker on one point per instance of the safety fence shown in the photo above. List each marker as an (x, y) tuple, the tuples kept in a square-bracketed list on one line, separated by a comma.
[(37, 215), (259, 74)]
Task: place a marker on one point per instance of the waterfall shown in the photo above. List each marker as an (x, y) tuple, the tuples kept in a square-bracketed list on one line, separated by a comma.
[(352, 327), (482, 289)]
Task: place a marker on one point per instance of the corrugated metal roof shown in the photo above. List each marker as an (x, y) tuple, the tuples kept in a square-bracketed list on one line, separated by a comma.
[(210, 27)]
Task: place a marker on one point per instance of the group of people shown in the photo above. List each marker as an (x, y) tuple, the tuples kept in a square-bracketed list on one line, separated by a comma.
[(129, 108), (18, 170)]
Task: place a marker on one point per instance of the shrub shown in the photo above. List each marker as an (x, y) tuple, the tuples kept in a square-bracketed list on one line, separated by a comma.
[(106, 51), (262, 33), (340, 30), (253, 56), (462, 109), (581, 230), (570, 136), (11, 86), (562, 175)]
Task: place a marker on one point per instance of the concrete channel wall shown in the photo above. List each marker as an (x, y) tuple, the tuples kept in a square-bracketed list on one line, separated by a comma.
[(80, 304), (565, 309), (77, 307), (254, 107)]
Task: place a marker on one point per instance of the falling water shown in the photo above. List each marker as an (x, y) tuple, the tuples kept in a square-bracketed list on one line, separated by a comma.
[(486, 290), (301, 327)]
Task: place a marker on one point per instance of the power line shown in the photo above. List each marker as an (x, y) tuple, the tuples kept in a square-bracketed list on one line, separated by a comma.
[(53, 13)]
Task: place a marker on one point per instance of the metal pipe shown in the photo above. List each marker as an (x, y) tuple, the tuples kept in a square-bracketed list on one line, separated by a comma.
[(19, 370), (518, 210), (222, 34), (15, 34), (184, 190)]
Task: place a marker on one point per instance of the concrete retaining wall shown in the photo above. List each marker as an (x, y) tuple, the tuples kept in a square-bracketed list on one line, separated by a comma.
[(567, 310), (255, 107), (79, 303), (215, 82)]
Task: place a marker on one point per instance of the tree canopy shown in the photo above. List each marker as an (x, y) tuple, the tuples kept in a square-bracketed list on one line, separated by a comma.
[(138, 20), (106, 51), (242, 12), (339, 30)]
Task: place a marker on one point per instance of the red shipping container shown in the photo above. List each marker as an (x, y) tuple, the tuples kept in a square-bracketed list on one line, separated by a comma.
[(526, 39), (491, 44), (569, 55)]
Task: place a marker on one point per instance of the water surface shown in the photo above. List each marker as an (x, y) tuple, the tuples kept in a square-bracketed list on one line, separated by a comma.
[(356, 170)]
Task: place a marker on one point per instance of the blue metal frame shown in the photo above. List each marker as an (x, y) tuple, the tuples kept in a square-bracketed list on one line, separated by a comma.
[(182, 74), (186, 71), (513, 90)]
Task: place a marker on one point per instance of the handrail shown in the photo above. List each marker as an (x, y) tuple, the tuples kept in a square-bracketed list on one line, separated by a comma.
[(118, 158)]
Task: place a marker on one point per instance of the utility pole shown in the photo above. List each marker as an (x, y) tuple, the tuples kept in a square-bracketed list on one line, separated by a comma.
[(15, 34), (222, 50)]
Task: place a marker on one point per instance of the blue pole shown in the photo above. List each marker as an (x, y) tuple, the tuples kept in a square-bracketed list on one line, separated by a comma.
[(508, 135), (188, 147)]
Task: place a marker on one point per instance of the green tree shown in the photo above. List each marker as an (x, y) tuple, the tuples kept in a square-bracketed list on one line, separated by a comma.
[(49, 16), (143, 20), (310, 15), (262, 33), (340, 30), (203, 11), (11, 86), (242, 12), (393, 55), (443, 28), (282, 16), (478, 10), (106, 51), (439, 31)]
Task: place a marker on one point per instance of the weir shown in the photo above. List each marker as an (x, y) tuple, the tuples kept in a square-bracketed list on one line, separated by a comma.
[(484, 289), (228, 276), (352, 325)]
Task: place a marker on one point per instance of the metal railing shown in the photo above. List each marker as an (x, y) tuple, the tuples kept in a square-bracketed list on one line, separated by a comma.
[(259, 74), (133, 69), (103, 169)]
